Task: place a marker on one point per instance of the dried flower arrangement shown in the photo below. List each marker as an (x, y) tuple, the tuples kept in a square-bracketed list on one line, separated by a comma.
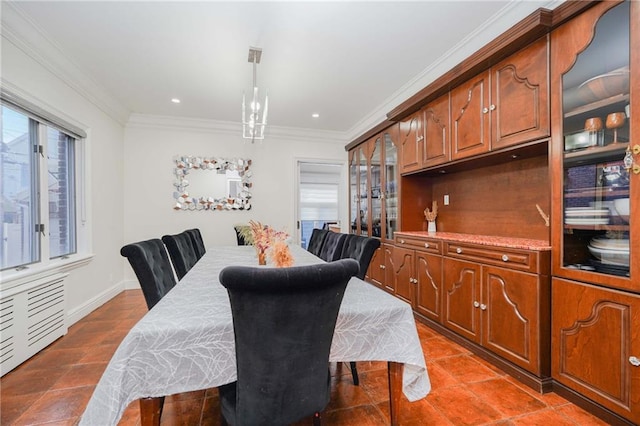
[(267, 240), (431, 215)]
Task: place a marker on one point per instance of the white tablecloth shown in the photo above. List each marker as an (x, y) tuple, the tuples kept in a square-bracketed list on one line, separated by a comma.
[(186, 342)]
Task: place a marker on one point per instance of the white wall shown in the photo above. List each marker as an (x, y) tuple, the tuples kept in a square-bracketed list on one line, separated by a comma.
[(23, 72), (151, 143)]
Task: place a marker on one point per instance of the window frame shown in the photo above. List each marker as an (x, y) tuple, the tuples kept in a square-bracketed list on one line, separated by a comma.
[(45, 265)]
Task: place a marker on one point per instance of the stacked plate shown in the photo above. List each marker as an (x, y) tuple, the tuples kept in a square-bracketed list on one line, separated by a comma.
[(586, 216), (610, 251)]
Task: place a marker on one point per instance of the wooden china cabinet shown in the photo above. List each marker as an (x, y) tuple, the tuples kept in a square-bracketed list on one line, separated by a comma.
[(373, 183), (506, 105), (595, 91)]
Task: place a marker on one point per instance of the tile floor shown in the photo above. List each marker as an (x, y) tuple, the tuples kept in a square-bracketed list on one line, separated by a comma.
[(54, 386)]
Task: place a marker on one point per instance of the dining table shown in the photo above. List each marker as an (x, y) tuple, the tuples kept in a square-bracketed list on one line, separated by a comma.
[(186, 341)]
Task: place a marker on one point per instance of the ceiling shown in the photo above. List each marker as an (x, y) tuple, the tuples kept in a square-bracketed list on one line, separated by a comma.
[(350, 62)]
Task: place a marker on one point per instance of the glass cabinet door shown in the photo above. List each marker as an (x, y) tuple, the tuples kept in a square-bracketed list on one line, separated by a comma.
[(376, 194), (354, 195), (596, 130), (391, 186), (363, 190)]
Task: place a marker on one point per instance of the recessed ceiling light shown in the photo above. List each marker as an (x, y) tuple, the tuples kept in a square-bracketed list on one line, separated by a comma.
[(315, 115), (175, 100)]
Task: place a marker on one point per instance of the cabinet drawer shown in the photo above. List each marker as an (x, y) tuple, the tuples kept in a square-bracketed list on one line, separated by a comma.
[(521, 260), (424, 244)]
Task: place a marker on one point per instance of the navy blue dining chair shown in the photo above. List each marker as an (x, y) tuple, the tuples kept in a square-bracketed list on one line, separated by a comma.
[(283, 323)]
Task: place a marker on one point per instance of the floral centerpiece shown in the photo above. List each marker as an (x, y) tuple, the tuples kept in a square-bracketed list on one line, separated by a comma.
[(269, 241)]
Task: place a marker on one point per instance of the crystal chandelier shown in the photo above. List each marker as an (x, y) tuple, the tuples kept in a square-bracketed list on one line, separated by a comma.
[(253, 124)]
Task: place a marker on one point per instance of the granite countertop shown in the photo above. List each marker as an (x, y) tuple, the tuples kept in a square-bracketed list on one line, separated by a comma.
[(487, 240)]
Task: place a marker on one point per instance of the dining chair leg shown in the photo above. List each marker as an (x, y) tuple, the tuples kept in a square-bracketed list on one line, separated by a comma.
[(151, 411), (354, 373)]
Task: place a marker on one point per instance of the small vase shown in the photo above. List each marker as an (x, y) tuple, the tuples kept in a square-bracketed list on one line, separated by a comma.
[(262, 258), (431, 227)]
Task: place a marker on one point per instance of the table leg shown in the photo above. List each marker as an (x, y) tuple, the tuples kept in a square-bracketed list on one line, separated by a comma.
[(151, 410), (395, 390)]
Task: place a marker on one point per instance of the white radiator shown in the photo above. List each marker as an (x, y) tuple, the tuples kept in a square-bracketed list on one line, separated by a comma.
[(32, 315)]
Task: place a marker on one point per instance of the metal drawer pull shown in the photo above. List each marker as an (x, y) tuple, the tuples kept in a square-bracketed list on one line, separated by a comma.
[(458, 250), (505, 258), (401, 241), (476, 304), (492, 107), (485, 110), (382, 266), (426, 245), (634, 361), (483, 307)]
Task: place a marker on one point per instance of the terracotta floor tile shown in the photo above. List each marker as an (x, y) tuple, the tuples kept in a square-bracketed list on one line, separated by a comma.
[(56, 406), (100, 353), (440, 347), (505, 397), (466, 368), (13, 406), (416, 413), (462, 407), (545, 417), (345, 394), (580, 416), (367, 415), (376, 385), (80, 375), (439, 377), (53, 357), (24, 381), (131, 415), (549, 398)]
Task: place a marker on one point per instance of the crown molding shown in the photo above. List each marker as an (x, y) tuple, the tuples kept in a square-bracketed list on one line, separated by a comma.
[(230, 128), (18, 29)]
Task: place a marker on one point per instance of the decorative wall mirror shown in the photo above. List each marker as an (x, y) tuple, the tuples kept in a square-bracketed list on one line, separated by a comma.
[(209, 183)]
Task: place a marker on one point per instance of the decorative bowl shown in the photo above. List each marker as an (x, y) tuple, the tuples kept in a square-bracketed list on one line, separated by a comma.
[(621, 205), (605, 85)]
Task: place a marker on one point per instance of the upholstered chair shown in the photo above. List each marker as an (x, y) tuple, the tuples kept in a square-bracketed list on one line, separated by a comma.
[(152, 268), (316, 240), (197, 241), (361, 249), (183, 255), (283, 322), (332, 246)]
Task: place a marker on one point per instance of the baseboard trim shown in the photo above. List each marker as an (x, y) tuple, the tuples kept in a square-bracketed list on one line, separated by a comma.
[(588, 405), (76, 314)]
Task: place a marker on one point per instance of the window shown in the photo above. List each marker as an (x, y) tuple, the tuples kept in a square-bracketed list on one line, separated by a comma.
[(38, 188)]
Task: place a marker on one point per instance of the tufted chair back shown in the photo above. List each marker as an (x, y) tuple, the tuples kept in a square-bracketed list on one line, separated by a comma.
[(183, 255), (361, 249), (283, 322), (197, 241), (332, 246), (152, 267), (316, 240)]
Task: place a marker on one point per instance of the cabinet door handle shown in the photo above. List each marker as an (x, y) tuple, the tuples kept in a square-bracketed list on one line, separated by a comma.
[(382, 266), (483, 307), (492, 107), (419, 138), (458, 250), (401, 241), (476, 304), (634, 361), (505, 258), (485, 110), (426, 245)]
